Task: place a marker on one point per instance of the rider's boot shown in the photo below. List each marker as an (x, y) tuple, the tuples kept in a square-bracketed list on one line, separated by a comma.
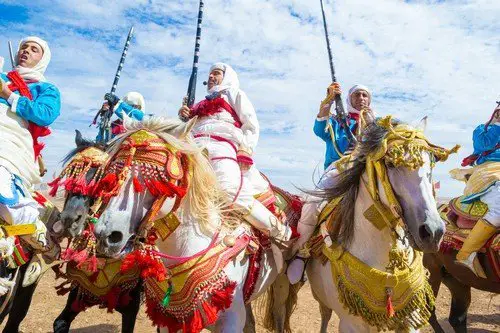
[(261, 218), (478, 236)]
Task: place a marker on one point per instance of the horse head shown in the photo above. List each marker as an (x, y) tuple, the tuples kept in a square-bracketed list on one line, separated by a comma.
[(79, 178), (392, 168), (151, 169)]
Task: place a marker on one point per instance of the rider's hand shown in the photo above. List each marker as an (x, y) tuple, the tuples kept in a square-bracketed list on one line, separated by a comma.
[(368, 115), (4, 90), (184, 111), (112, 99), (496, 116), (331, 92), (244, 167)]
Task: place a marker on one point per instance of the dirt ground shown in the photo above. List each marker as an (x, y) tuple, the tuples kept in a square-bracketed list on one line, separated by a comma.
[(484, 314)]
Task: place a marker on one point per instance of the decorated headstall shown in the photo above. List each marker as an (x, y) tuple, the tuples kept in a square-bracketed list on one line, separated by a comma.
[(402, 146), (153, 165), (73, 178)]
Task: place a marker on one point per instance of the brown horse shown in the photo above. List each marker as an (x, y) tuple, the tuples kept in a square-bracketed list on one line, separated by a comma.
[(459, 280)]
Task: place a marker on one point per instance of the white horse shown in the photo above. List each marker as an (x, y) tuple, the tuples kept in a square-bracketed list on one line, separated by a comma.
[(422, 228), (199, 214)]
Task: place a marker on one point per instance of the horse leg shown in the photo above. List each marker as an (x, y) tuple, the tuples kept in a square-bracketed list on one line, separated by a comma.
[(281, 289), (460, 302), (6, 300), (233, 318), (250, 320), (22, 297), (326, 315), (129, 312), (435, 279), (64, 320)]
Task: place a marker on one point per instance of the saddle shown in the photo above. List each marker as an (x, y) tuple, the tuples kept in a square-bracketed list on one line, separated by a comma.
[(460, 218), (465, 215)]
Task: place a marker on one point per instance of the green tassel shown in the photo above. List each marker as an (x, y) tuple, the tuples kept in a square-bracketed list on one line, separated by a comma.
[(166, 299), (93, 220)]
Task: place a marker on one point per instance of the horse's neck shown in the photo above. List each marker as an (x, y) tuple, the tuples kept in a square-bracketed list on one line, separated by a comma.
[(187, 239), (369, 244)]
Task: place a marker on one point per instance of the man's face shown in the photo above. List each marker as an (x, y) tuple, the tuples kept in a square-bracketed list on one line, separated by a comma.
[(29, 54), (215, 78), (360, 99)]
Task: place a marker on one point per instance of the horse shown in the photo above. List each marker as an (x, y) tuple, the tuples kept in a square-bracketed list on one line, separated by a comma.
[(382, 214), (444, 269), (174, 212), (67, 223)]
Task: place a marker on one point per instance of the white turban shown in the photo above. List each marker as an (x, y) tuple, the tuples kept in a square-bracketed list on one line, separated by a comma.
[(355, 88), (135, 98), (230, 83), (35, 73)]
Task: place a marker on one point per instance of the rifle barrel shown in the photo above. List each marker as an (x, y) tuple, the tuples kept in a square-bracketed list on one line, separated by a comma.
[(12, 58)]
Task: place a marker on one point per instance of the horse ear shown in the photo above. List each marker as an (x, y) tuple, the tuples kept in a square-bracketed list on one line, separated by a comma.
[(422, 124), (78, 138), (186, 129)]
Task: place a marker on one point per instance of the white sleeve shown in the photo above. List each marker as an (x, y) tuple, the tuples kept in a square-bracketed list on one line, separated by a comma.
[(250, 125)]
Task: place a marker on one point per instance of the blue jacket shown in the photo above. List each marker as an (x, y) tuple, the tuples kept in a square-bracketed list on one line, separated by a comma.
[(485, 141), (320, 129), (45, 107), (129, 111)]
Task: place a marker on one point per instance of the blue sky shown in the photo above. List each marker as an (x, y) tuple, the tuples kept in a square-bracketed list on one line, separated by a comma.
[(434, 58)]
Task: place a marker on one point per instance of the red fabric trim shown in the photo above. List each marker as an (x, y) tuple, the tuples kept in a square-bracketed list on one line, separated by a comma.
[(195, 322), (18, 84), (253, 274), (245, 160), (117, 127), (208, 108), (471, 159)]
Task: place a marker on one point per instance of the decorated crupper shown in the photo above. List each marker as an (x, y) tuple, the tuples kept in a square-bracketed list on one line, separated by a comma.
[(483, 185), (28, 104)]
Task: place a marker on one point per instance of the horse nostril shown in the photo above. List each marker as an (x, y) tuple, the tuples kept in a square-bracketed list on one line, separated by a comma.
[(115, 237), (424, 232)]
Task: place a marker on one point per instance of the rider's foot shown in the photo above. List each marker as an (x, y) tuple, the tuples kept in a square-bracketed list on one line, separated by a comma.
[(295, 271), (33, 272), (472, 263)]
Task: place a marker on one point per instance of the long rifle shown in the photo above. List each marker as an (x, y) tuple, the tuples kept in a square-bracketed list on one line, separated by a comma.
[(339, 106), (41, 164), (191, 91), (104, 125), (12, 59)]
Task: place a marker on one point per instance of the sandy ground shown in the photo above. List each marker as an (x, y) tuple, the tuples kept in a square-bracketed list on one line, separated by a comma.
[(484, 314)]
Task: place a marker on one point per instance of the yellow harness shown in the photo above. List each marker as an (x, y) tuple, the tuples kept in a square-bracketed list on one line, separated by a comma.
[(400, 296)]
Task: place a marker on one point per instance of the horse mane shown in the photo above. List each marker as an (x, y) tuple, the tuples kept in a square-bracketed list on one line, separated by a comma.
[(348, 181), (84, 144), (205, 197)]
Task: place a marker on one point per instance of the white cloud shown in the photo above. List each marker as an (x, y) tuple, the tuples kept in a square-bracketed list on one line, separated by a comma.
[(419, 57)]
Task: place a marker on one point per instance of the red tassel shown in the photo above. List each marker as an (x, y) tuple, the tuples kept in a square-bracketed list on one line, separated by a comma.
[(111, 299), (223, 298), (296, 204), (81, 256), (196, 322), (210, 313), (67, 254), (138, 188), (389, 306), (54, 186)]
